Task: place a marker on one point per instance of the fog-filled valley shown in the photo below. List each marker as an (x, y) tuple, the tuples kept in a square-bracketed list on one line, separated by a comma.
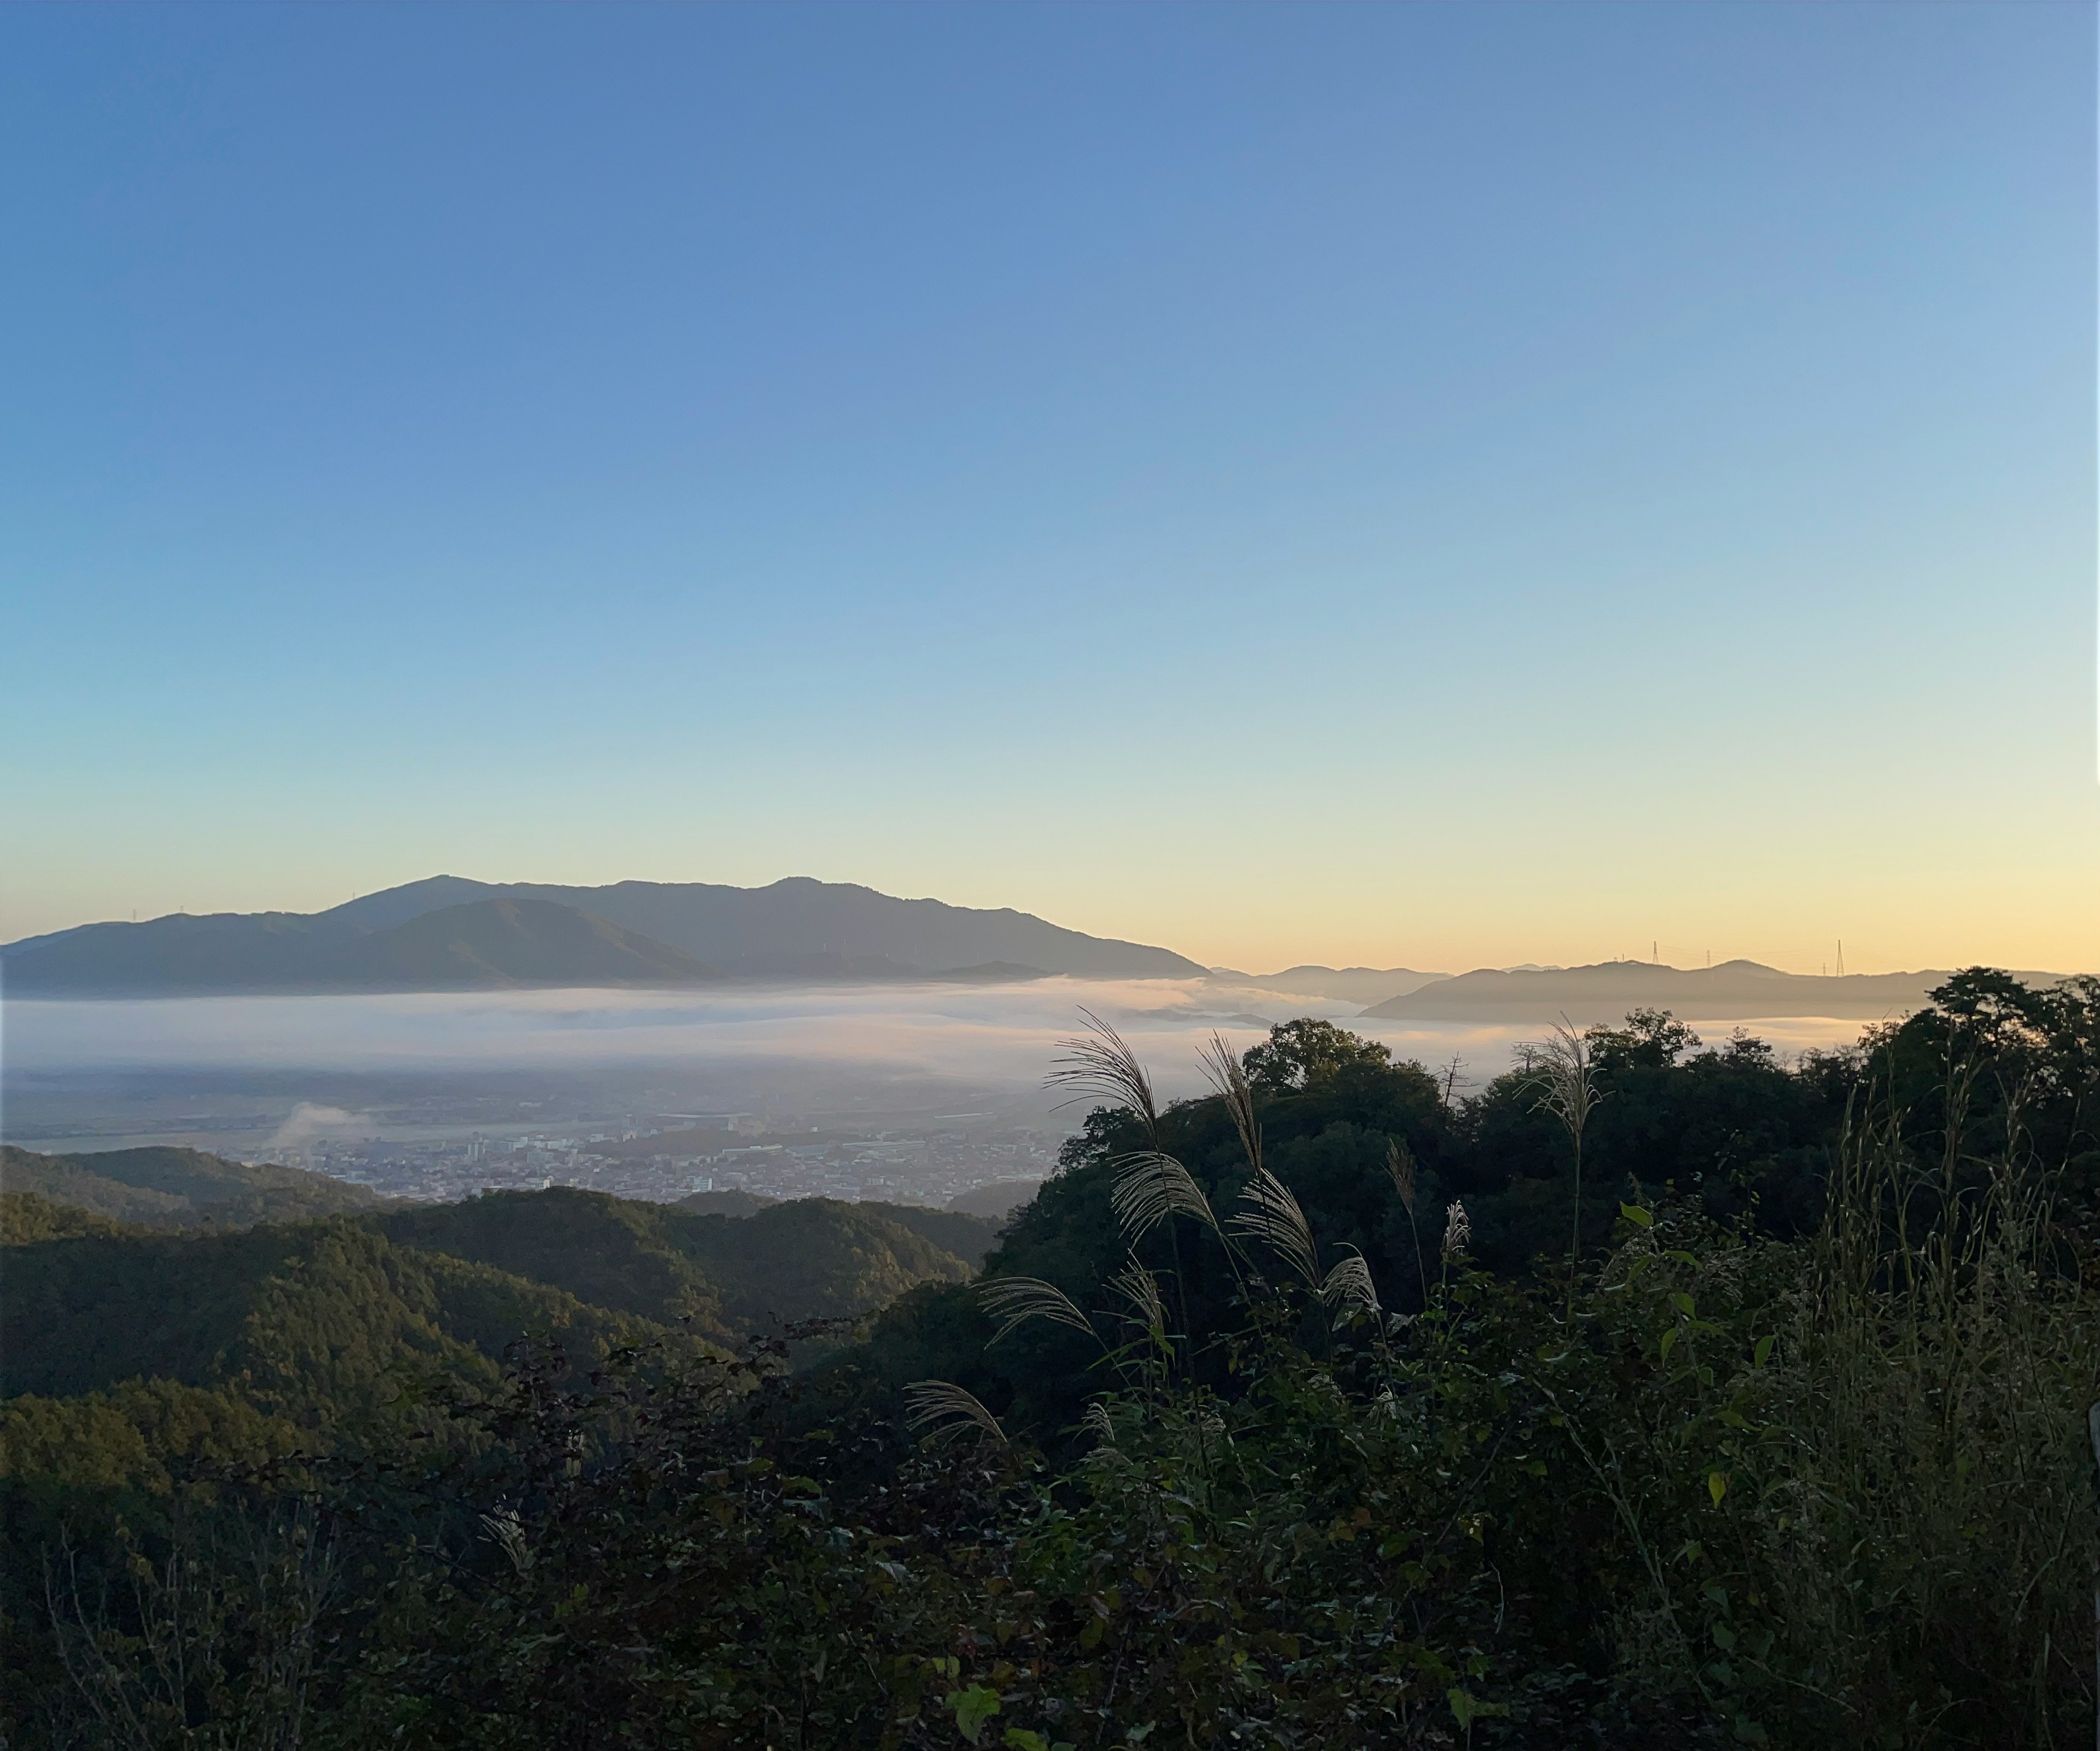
[(418, 1091)]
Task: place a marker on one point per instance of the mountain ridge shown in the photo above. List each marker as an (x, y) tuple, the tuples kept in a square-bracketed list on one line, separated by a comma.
[(1604, 991), (1350, 985), (480, 944), (794, 930)]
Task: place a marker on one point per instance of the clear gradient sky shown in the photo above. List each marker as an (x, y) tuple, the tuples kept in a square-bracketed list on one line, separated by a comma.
[(1403, 485)]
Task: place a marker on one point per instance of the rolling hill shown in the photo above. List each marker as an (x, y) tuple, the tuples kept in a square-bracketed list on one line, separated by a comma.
[(803, 1258), (450, 933), (960, 1229), (1606, 991), (722, 1273), (321, 1323), (309, 1319), (25, 1218), (162, 1188), (1347, 984)]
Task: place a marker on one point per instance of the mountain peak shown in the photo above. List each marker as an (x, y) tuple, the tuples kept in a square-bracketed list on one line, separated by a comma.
[(796, 929)]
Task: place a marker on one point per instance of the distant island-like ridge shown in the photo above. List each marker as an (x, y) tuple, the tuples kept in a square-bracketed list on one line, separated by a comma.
[(449, 933), (1735, 990)]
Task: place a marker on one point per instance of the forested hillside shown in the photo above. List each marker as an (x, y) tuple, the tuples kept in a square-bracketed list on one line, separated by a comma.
[(311, 1321), (25, 1217), (180, 1189), (809, 1257), (1656, 1394), (317, 1321), (968, 1235)]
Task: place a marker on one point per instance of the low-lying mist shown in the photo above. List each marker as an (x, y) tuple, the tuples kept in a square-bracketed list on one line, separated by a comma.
[(1004, 1035)]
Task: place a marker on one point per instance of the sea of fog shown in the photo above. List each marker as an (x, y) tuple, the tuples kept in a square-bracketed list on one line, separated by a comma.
[(1006, 1035)]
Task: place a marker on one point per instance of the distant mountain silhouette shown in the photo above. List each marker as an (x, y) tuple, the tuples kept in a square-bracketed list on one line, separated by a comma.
[(1347, 984), (222, 952), (1606, 991), (515, 941), (481, 945), (748, 930), (450, 933)]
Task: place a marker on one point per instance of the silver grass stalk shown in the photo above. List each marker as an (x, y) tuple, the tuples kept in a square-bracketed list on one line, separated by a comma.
[(1399, 1169), (1348, 1289), (945, 1409), (1140, 1288), (1100, 1066), (1457, 1230), (1560, 1077), (1150, 1188), (1268, 1212), (503, 1529), (1097, 1422), (1225, 1073), (1014, 1300)]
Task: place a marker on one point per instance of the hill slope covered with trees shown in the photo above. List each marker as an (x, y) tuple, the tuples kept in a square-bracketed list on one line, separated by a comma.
[(162, 1188), (803, 1258)]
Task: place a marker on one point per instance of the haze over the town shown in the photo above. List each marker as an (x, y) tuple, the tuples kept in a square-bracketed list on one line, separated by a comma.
[(1440, 488)]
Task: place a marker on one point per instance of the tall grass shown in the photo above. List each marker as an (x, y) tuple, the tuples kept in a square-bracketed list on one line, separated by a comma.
[(1565, 1081), (1931, 1529), (1853, 1470)]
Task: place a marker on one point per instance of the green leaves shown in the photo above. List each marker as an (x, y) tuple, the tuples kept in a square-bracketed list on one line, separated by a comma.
[(974, 1707), (1021, 1739), (1467, 1708)]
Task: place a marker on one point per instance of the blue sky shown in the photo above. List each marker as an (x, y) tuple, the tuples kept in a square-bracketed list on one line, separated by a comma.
[(1439, 485)]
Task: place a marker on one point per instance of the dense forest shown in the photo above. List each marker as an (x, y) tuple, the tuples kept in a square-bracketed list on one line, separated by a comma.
[(1655, 1393)]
